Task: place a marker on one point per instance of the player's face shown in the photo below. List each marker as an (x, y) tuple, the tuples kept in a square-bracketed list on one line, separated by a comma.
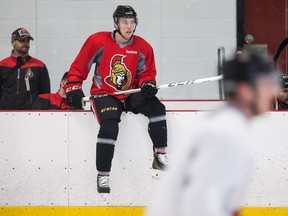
[(265, 92), (126, 26), (283, 95), (62, 91), (21, 47)]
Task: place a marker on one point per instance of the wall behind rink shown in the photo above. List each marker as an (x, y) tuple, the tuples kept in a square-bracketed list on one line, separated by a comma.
[(185, 35), (48, 159)]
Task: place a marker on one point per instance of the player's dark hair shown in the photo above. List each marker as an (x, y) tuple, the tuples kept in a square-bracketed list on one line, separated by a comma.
[(64, 77), (283, 78), (245, 68)]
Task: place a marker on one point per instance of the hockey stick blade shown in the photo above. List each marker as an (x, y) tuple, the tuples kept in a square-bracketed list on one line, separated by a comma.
[(169, 85)]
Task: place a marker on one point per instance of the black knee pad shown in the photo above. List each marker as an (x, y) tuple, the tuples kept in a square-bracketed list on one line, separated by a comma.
[(152, 107), (158, 108), (109, 129), (135, 101)]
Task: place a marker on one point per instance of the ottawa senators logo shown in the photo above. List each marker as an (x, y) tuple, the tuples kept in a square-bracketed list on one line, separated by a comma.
[(120, 76), (29, 73)]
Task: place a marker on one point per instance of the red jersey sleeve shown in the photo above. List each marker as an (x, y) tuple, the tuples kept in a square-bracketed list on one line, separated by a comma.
[(81, 65), (146, 70)]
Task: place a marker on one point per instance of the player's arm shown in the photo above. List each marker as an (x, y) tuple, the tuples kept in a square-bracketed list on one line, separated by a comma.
[(44, 85), (146, 73), (146, 70), (41, 103), (80, 67), (79, 71), (1, 87), (236, 213)]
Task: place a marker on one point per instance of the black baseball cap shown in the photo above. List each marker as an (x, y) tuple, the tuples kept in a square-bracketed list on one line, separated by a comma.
[(283, 80), (21, 34)]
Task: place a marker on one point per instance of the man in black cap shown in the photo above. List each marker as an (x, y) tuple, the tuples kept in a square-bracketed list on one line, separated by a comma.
[(281, 102), (22, 77)]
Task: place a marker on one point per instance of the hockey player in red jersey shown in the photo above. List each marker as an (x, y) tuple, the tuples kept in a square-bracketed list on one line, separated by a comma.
[(123, 61), (53, 101)]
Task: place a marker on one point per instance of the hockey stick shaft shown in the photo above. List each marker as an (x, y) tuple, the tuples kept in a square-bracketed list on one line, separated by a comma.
[(174, 84), (169, 85)]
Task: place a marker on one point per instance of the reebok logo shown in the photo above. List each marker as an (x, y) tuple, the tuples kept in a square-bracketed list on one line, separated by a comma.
[(131, 52)]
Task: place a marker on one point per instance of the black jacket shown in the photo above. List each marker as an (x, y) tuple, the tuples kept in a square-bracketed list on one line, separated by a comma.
[(13, 88)]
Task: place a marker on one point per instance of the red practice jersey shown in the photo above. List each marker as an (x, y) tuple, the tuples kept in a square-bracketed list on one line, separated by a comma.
[(118, 67), (53, 101)]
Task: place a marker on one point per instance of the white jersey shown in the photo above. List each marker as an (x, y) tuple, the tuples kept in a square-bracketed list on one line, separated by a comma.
[(209, 173)]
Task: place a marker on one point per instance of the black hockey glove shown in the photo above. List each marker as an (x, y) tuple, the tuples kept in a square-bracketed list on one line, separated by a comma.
[(74, 94), (148, 89)]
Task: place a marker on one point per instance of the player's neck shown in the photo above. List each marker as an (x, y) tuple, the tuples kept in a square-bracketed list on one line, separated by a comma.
[(62, 93), (243, 108), (17, 53), (119, 39)]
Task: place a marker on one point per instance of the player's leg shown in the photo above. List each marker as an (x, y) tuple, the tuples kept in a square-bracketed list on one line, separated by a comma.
[(157, 128), (108, 111)]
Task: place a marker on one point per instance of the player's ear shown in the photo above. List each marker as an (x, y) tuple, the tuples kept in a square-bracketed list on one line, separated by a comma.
[(63, 83), (245, 91), (116, 26)]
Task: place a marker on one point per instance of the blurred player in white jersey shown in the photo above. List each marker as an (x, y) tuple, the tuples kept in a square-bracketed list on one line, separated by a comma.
[(209, 173)]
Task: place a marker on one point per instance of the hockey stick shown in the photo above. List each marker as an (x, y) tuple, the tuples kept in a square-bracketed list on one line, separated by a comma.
[(280, 48), (188, 82), (282, 45), (169, 85)]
